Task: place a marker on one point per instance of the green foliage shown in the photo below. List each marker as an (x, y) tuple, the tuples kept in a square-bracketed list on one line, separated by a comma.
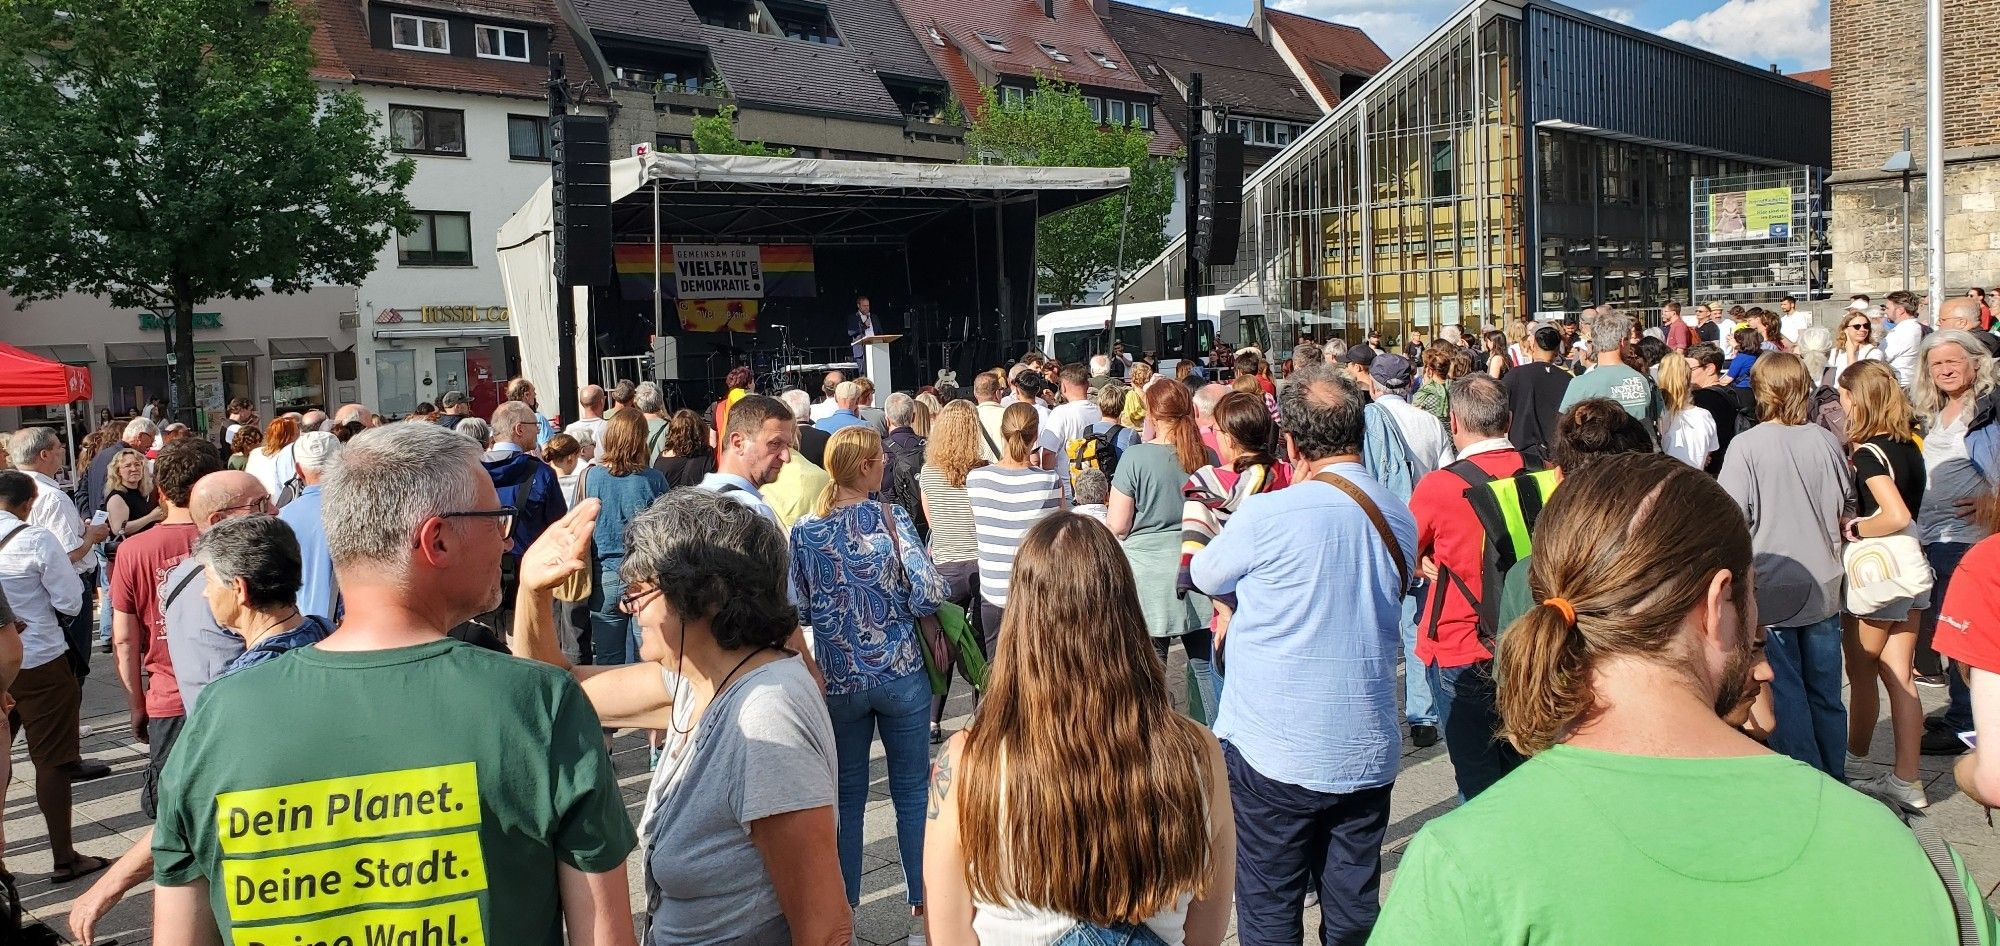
[(168, 152), (1078, 248), (716, 134)]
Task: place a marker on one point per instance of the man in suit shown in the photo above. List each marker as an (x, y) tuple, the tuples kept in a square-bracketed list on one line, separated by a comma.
[(860, 325)]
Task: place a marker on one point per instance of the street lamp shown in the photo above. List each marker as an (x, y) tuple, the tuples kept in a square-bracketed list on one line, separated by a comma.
[(1900, 163)]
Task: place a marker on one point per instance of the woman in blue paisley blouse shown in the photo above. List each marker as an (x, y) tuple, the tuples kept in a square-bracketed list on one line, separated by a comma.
[(862, 587)]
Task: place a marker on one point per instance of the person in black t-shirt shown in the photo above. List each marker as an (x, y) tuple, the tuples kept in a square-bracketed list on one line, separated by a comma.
[(1535, 393), (1732, 407)]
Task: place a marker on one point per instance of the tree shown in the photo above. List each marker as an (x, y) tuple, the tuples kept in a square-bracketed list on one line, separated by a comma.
[(1078, 248), (164, 153), (716, 134)]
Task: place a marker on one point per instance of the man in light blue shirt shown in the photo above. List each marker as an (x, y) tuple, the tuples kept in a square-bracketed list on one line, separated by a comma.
[(751, 450), (846, 395), (1308, 723), (317, 592)]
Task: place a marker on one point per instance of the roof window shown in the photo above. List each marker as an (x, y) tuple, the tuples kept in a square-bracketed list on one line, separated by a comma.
[(1054, 53), (1103, 60), (992, 42)]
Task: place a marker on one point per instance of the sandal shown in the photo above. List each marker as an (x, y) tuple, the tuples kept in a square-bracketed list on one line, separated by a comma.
[(84, 866)]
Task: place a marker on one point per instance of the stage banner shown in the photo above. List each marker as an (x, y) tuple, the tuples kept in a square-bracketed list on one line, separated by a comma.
[(717, 315), (717, 271), (1761, 214)]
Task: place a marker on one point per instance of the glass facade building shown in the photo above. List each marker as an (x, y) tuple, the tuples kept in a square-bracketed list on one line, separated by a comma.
[(1523, 158)]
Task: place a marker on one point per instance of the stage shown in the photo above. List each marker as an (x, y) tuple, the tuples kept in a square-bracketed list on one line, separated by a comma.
[(759, 261)]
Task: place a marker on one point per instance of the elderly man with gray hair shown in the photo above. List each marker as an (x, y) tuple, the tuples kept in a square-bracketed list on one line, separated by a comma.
[(1610, 377), (846, 395), (315, 452), (37, 452), (651, 403), (417, 551)]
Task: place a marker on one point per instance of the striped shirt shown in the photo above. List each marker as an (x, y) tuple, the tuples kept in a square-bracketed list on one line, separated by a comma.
[(1005, 505), (950, 517)]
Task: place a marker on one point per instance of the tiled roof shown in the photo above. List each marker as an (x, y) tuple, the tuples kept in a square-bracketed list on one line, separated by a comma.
[(669, 20), (1329, 50), (1819, 77), (779, 71), (1237, 69), (1020, 25), (340, 40), (877, 28)]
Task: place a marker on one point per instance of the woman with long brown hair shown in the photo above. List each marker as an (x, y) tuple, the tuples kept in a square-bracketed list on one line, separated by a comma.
[(1008, 497), (950, 453), (1244, 467), (862, 579), (623, 482), (685, 454), (1145, 514), (1889, 489), (272, 463), (1644, 814), (1078, 801)]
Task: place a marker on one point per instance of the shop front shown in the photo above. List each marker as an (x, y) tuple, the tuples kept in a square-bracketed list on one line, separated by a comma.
[(422, 352)]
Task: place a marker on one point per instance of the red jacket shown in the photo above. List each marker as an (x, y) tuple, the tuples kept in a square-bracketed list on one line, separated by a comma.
[(1449, 533)]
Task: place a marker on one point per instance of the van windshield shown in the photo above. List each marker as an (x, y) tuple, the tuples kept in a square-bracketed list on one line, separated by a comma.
[(1077, 345)]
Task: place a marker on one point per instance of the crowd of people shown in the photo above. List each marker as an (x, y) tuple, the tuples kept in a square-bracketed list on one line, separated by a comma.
[(1620, 573)]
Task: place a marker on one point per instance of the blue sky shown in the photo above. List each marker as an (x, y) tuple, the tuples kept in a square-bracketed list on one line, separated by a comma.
[(1791, 33)]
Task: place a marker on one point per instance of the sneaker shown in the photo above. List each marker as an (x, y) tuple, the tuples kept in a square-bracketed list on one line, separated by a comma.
[(1942, 742), (1859, 769), (1423, 735), (653, 759), (1888, 786), (918, 936), (1933, 680)]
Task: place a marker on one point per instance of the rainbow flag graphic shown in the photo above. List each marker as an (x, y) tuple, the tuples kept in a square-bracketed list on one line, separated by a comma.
[(788, 270)]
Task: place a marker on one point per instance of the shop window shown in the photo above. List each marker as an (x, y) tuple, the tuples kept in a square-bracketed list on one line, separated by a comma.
[(396, 381), (440, 238), (501, 42), (528, 138), (419, 33), (414, 130), (298, 384)]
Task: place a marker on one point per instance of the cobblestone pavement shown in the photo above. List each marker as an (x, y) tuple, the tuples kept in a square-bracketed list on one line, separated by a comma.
[(108, 819)]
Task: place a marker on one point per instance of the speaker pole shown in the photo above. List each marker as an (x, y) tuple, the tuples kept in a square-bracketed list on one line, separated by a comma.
[(1191, 275), (565, 299)]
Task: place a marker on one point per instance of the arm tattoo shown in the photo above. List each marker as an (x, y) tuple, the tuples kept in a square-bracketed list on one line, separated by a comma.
[(940, 784)]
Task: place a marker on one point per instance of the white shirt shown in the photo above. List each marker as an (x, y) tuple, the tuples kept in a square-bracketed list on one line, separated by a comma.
[(273, 470), (55, 511), (1689, 436), (594, 425), (1790, 326), (1899, 349), (822, 410), (1728, 340), (989, 420), (1837, 362), (1069, 421), (35, 572), (1430, 444)]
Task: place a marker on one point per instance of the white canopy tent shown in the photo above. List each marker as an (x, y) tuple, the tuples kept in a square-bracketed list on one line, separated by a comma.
[(729, 197)]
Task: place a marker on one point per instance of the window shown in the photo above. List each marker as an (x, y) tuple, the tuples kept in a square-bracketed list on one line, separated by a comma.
[(1053, 53), (1096, 108), (440, 238), (528, 138), (421, 33), (501, 42), (415, 130), (1114, 112), (1012, 95), (1441, 168), (1103, 60), (937, 38), (992, 42), (1142, 115)]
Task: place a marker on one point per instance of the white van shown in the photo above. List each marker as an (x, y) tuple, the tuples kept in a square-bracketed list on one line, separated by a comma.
[(1073, 335)]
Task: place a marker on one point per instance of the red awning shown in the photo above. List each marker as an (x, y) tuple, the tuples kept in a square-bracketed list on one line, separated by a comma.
[(32, 381)]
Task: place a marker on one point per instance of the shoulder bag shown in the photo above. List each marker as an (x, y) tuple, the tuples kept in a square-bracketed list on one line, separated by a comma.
[(1884, 569), (945, 639)]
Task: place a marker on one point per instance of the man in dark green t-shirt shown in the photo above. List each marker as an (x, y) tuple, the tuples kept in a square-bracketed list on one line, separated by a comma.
[(391, 784)]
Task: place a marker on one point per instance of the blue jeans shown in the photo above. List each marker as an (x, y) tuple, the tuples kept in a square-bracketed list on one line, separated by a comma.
[(1944, 558), (901, 709), (1479, 757), (104, 619), (1419, 706), (613, 639), (1292, 840), (1805, 693)]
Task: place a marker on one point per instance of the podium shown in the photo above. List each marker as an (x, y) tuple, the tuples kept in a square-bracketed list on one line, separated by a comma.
[(875, 364)]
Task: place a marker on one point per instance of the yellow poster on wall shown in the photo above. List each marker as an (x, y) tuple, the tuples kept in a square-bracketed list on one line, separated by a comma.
[(717, 315), (1761, 214)]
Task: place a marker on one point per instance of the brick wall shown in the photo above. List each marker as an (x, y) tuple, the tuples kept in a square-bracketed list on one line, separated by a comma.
[(1878, 78)]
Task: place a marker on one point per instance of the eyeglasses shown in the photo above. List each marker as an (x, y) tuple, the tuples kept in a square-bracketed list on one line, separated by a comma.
[(262, 504), (505, 517), (631, 602)]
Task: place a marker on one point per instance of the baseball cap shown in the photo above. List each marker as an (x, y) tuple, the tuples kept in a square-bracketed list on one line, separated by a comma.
[(1857, 306), (314, 449), (1390, 371), (1359, 355), (453, 399)]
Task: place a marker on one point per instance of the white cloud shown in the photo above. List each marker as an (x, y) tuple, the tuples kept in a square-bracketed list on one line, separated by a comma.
[(1616, 14), (1216, 15), (1760, 32)]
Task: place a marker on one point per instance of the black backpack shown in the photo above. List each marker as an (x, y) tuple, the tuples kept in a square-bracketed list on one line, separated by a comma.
[(905, 462)]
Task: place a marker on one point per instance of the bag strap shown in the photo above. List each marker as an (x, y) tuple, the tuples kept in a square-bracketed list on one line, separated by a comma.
[(1375, 518), (175, 594), (23, 527), (987, 435)]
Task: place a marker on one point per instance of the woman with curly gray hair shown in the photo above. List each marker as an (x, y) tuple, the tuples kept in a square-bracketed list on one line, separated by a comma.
[(739, 822)]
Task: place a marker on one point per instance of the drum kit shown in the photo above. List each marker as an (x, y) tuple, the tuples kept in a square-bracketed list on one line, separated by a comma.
[(775, 369)]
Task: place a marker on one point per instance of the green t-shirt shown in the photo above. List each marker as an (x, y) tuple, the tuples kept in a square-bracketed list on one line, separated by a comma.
[(1629, 388), (1151, 474), (357, 797), (1585, 847)]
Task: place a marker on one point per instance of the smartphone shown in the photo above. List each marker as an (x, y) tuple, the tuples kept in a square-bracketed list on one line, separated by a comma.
[(98, 518)]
